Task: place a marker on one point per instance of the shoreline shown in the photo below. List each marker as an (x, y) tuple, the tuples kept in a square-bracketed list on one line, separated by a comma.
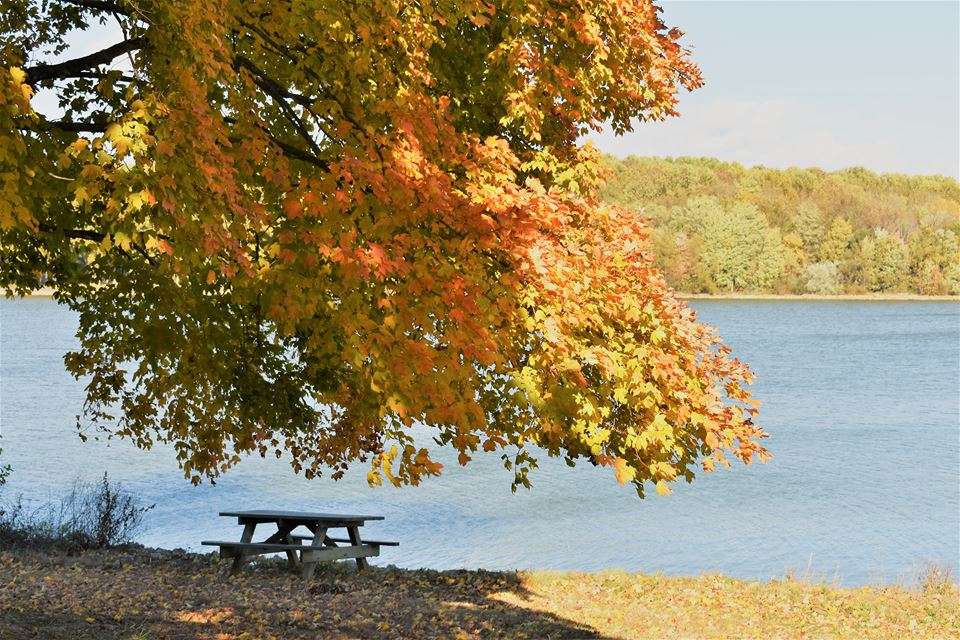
[(47, 292), (135, 592)]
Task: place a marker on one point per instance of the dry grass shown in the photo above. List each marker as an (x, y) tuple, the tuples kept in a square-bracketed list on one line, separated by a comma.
[(149, 595)]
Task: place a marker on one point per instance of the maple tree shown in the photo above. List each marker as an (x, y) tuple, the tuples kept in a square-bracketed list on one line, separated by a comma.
[(306, 227)]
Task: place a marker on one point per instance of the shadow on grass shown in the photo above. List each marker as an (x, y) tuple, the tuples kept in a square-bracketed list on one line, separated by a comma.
[(139, 597)]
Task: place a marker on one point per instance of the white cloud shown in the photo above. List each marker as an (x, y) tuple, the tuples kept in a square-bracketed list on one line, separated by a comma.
[(780, 133)]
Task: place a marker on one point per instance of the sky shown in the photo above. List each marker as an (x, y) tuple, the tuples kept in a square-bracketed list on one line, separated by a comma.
[(827, 84)]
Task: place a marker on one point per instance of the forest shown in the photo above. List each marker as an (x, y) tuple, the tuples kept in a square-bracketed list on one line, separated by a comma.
[(720, 227)]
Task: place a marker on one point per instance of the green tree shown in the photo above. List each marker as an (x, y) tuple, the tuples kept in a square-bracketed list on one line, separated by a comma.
[(932, 252), (836, 241), (771, 263), (794, 262), (887, 266), (808, 222), (951, 279), (697, 277), (740, 252), (666, 254), (790, 200)]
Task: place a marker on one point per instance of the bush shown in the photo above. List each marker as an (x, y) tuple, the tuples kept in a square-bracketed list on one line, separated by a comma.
[(4, 472), (89, 516), (934, 578), (951, 279), (823, 278)]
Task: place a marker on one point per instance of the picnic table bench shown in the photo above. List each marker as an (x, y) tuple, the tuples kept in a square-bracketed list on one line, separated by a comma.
[(303, 551)]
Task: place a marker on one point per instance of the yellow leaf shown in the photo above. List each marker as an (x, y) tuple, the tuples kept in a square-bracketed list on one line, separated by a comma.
[(663, 488), (114, 132), (122, 240), (624, 472), (135, 201), (18, 74), (395, 404)]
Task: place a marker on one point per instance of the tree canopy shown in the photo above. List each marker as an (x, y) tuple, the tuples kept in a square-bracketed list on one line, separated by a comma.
[(810, 231), (305, 227)]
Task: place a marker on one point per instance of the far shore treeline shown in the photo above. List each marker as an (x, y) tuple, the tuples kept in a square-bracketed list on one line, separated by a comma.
[(720, 227)]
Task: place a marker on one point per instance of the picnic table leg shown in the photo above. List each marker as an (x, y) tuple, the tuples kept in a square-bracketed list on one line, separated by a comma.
[(354, 532), (293, 561), (283, 534), (240, 558), (319, 538)]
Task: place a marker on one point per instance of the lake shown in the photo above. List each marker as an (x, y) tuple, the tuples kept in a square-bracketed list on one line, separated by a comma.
[(862, 401)]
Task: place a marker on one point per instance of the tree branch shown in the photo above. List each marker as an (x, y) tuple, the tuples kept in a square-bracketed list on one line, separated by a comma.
[(70, 68), (98, 75), (298, 153), (269, 85), (63, 125), (279, 95), (283, 50), (86, 234), (80, 234), (102, 5)]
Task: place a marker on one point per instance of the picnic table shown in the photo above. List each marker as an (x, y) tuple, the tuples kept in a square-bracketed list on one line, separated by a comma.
[(303, 551)]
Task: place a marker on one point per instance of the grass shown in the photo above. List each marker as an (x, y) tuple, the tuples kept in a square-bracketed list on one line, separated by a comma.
[(140, 594)]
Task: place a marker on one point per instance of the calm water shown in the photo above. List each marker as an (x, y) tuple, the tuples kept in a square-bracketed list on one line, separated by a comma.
[(861, 400)]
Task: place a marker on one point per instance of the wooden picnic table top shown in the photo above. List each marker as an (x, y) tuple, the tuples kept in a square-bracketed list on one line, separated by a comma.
[(268, 515)]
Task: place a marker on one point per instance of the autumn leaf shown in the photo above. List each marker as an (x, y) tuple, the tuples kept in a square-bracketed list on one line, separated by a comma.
[(314, 232), (624, 472)]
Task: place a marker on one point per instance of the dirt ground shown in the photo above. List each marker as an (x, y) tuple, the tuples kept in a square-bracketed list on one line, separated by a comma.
[(142, 594)]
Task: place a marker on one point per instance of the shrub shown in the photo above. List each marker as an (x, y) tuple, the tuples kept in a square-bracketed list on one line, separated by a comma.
[(951, 279), (823, 278), (936, 578), (89, 516), (4, 472)]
